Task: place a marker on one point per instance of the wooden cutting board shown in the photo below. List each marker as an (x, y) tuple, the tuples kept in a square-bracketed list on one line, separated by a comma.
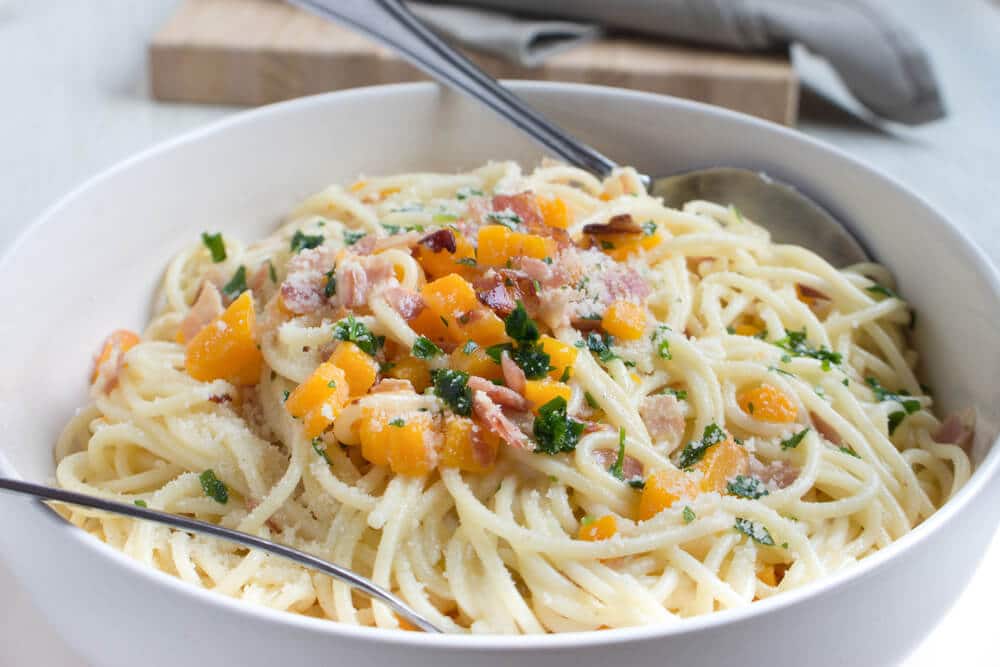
[(251, 52)]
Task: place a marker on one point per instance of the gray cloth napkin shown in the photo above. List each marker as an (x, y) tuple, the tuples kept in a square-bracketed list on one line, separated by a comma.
[(880, 62)]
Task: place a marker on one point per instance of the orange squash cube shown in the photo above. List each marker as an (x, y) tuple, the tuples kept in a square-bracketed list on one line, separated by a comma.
[(492, 245), (621, 246), (721, 463), (118, 343), (461, 437), (484, 327), (227, 347), (561, 356), (407, 444), (359, 368), (540, 392), (429, 324), (475, 362), (374, 445), (414, 370), (320, 398), (530, 245), (603, 528), (442, 263), (450, 298), (555, 213), (663, 489), (769, 404), (625, 320)]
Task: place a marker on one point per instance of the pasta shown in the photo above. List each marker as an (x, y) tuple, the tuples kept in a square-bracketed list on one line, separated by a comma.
[(524, 402)]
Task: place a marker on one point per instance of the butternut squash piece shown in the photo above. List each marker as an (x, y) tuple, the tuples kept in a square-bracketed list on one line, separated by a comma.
[(358, 366), (414, 370), (227, 347), (603, 528), (484, 327), (492, 244), (475, 362), (461, 437), (621, 246), (320, 398), (443, 263), (540, 392), (769, 404), (555, 213), (721, 463), (451, 299), (561, 357), (407, 444), (663, 489), (625, 320), (119, 342)]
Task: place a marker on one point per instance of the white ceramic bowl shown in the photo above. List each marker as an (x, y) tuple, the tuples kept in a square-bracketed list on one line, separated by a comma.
[(92, 261)]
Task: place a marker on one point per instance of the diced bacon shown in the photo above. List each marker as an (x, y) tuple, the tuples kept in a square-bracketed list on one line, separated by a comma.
[(305, 281), (547, 275), (391, 385), (493, 418), (482, 451), (618, 224), (501, 290), (623, 283), (358, 277), (442, 239), (512, 373), (581, 323), (663, 418), (365, 245), (404, 240), (404, 301), (523, 204), (778, 473), (594, 427), (954, 430), (504, 396), (206, 308), (824, 429), (632, 468)]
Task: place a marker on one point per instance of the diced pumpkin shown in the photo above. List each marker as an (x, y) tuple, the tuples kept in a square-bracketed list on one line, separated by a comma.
[(358, 366), (561, 357), (769, 404), (530, 245), (441, 263), (414, 370), (119, 342), (429, 324), (320, 398), (227, 347), (461, 436), (664, 488), (408, 445), (598, 529), (475, 362), (721, 463), (555, 213), (540, 392), (746, 330), (767, 575), (491, 244), (450, 298), (620, 246), (625, 320), (484, 327)]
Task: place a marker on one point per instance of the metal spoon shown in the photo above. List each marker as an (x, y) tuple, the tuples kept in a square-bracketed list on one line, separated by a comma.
[(790, 216), (352, 579)]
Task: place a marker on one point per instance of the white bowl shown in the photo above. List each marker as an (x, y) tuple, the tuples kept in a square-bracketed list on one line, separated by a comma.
[(91, 263)]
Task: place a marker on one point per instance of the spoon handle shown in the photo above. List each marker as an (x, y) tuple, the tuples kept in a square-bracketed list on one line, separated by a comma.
[(352, 579), (392, 24)]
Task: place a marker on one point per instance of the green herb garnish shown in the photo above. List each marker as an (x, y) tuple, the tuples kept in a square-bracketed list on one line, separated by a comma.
[(793, 442), (469, 347), (237, 284), (601, 346), (423, 348), (302, 241), (141, 503), (755, 531), (882, 290), (554, 431), (746, 486), (508, 219), (321, 451), (695, 450), (688, 514), (331, 283), (467, 261), (398, 422), (353, 330), (850, 451), (452, 387), (796, 343), (271, 272), (213, 487), (466, 192), (648, 227), (617, 469), (215, 245), (352, 237)]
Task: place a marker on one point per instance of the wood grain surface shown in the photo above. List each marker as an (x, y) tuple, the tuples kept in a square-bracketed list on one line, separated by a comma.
[(251, 52)]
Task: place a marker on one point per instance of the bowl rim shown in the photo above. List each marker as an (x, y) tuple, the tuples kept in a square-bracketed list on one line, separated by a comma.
[(868, 567)]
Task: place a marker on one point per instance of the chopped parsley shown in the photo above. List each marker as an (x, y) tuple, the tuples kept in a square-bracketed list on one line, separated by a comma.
[(909, 405), (302, 241), (695, 450), (882, 290), (320, 451), (519, 326), (392, 229), (679, 394), (466, 261), (755, 531), (617, 469), (533, 360), (469, 347), (423, 348), (398, 422), (466, 192), (527, 353), (746, 486), (213, 487), (353, 330), (215, 245), (452, 387), (688, 514), (565, 375), (793, 442), (352, 237), (495, 352), (508, 219), (331, 284), (648, 227), (795, 342), (332, 384), (782, 371), (591, 401), (554, 431), (637, 483), (607, 245), (895, 419), (850, 452), (736, 213), (663, 346), (141, 503), (271, 272), (601, 346), (237, 284), (284, 395)]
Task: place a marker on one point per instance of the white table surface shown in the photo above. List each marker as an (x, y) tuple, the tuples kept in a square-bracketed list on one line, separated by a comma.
[(76, 102)]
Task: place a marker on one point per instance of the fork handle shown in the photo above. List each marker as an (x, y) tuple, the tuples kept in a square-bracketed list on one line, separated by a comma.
[(392, 24)]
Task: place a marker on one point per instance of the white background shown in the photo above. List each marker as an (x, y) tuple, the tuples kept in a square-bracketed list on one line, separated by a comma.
[(74, 101)]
